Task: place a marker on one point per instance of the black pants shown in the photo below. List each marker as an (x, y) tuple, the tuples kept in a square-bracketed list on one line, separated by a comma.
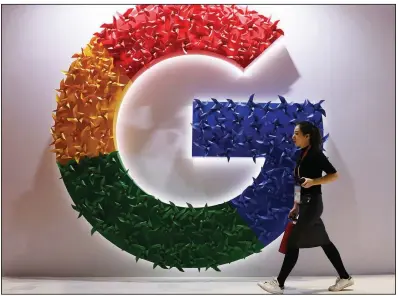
[(292, 255)]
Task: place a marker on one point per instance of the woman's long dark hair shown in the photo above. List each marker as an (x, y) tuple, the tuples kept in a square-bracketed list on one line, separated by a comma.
[(307, 128)]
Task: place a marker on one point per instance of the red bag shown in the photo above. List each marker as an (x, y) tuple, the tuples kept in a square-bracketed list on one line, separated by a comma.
[(288, 230)]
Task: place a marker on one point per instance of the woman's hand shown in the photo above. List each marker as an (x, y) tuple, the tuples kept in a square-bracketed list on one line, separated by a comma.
[(308, 183), (293, 212)]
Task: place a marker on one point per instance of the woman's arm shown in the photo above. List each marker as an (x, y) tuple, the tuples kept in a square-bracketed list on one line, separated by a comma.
[(326, 179), (327, 167)]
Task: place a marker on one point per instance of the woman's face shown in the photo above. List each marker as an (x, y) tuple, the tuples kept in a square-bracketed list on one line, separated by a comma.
[(299, 139)]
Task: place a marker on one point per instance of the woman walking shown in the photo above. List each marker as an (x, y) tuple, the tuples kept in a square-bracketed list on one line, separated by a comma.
[(309, 231)]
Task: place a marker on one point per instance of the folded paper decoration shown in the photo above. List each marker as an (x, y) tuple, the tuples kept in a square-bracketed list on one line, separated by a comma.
[(83, 136)]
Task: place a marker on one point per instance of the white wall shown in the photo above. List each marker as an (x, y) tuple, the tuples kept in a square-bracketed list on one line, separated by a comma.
[(344, 54)]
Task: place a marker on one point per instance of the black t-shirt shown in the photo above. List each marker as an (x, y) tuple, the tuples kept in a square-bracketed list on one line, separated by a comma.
[(312, 166)]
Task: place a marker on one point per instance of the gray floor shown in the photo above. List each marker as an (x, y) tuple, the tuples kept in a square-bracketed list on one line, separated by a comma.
[(295, 285)]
